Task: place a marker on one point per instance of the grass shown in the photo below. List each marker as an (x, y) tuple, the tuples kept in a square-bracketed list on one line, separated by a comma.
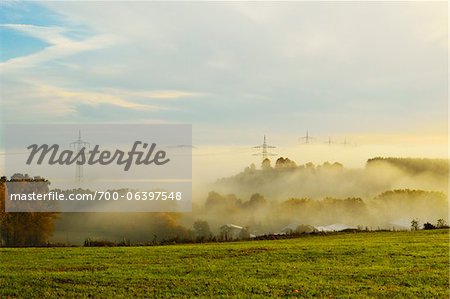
[(361, 265)]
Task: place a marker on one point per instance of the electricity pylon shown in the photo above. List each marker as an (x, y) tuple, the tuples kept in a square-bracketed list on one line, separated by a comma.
[(264, 153), (78, 145), (307, 138)]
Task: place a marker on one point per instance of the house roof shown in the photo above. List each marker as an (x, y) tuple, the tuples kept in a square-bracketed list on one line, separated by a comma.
[(231, 226), (334, 227)]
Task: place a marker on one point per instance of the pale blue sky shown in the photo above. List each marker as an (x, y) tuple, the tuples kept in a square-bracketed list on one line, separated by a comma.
[(234, 70)]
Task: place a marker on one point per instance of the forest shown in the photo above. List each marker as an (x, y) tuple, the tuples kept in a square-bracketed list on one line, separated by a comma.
[(388, 193)]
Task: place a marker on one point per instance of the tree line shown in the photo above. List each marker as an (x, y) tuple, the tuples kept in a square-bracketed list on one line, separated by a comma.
[(24, 228)]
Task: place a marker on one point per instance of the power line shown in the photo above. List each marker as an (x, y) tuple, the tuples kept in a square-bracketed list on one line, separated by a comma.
[(307, 138), (264, 153), (79, 145), (330, 141)]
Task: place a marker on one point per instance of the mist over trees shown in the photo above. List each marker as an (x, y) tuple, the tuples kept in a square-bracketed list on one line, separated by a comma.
[(288, 180), (414, 166), (282, 196)]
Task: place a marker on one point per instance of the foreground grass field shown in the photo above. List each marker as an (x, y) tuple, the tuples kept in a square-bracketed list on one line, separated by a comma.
[(379, 264)]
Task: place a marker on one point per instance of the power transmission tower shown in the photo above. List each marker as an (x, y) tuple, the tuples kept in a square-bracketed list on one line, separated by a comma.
[(78, 145), (264, 153), (330, 141), (307, 138)]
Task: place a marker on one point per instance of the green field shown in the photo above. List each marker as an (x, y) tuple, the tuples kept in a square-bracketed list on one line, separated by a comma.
[(353, 265)]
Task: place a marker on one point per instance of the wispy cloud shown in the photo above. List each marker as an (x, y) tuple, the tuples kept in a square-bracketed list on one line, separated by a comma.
[(51, 35), (264, 67), (59, 45), (93, 98), (157, 94), (41, 99), (63, 101)]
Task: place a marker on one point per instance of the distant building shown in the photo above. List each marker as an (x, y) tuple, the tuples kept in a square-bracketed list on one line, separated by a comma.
[(308, 229), (230, 232), (334, 228), (298, 228)]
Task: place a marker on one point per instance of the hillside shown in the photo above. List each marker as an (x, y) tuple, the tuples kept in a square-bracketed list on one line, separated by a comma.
[(286, 179)]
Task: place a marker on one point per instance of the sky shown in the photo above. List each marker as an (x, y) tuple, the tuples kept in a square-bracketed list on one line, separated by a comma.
[(371, 73)]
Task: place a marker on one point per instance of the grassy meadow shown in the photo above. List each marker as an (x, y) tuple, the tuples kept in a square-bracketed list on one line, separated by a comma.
[(346, 265)]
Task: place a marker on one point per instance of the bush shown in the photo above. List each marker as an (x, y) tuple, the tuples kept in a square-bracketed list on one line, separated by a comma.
[(428, 225), (98, 243)]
